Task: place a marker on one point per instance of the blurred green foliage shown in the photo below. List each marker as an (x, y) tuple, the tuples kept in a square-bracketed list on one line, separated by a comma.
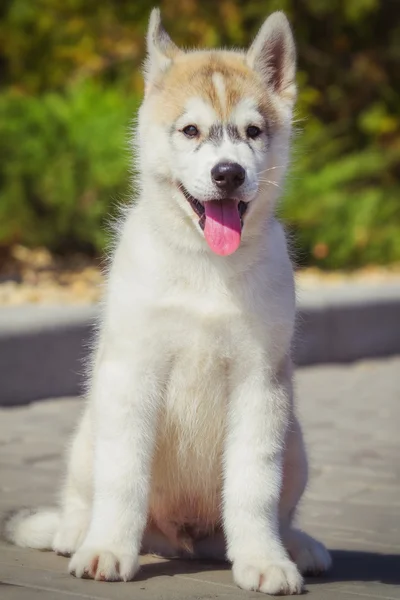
[(65, 165), (70, 85)]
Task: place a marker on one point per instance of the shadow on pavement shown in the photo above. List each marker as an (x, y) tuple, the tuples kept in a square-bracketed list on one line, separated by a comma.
[(172, 567), (351, 565), (348, 565)]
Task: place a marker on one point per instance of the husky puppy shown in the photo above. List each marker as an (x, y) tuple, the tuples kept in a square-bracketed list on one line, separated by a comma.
[(189, 444)]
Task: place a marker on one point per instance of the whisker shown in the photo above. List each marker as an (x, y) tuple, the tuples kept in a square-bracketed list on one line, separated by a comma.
[(270, 169), (270, 182)]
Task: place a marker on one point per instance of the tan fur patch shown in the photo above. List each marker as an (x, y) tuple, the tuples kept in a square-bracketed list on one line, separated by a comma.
[(196, 73)]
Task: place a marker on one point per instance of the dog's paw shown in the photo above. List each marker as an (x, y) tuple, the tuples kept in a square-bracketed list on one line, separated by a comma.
[(70, 535), (103, 565), (311, 557), (268, 576)]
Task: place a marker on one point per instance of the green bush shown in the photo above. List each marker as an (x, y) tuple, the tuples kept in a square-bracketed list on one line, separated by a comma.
[(65, 165), (342, 207)]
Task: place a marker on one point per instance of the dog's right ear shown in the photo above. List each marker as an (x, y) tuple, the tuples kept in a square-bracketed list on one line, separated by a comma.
[(161, 50)]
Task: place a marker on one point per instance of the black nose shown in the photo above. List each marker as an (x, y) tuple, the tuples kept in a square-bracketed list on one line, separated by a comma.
[(228, 176)]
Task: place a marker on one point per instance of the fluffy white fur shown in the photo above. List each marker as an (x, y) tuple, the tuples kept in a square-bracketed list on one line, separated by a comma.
[(190, 415)]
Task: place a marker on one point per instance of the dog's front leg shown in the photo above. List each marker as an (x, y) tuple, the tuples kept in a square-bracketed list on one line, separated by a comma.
[(257, 421), (125, 398)]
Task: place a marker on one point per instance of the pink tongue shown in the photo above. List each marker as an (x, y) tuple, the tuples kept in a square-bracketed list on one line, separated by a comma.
[(222, 227)]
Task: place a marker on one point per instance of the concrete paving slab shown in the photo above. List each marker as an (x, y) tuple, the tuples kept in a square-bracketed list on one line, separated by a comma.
[(351, 415)]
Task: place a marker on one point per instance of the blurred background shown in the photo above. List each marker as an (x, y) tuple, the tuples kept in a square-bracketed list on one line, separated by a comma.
[(71, 84)]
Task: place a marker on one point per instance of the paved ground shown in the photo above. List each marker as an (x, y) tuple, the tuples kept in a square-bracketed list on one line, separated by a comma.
[(351, 416)]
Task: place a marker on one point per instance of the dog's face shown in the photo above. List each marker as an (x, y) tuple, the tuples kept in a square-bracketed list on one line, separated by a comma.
[(216, 125)]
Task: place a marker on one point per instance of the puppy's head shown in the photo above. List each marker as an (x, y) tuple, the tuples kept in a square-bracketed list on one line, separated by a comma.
[(215, 125)]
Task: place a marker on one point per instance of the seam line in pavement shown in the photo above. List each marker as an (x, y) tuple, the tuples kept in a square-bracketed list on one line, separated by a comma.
[(6, 564), (335, 539), (51, 589), (215, 583)]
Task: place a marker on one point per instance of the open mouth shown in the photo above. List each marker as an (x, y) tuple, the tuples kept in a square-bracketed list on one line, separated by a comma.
[(221, 221)]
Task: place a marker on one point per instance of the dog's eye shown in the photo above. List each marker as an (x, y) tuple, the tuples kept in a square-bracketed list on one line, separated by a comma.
[(190, 131), (253, 131)]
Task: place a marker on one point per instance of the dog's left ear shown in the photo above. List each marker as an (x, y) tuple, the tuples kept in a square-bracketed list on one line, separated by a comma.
[(161, 50), (273, 56)]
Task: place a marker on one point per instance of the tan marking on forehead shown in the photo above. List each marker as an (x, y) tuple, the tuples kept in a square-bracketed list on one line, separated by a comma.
[(219, 85), (234, 73), (196, 73)]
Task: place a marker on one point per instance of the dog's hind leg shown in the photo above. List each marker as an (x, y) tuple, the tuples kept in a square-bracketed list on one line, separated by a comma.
[(310, 555), (76, 492)]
